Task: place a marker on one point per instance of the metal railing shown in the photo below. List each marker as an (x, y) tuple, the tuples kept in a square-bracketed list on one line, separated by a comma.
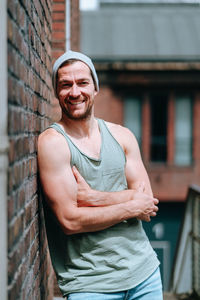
[(186, 272), (195, 195)]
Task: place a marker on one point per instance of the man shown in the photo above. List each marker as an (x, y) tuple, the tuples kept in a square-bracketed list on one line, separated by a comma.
[(98, 192)]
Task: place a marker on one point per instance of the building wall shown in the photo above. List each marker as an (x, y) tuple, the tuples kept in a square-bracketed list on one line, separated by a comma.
[(169, 181), (29, 112), (75, 25), (117, 85), (60, 41), (59, 27), (109, 105)]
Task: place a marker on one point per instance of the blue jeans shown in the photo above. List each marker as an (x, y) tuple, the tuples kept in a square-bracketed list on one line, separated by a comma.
[(149, 289)]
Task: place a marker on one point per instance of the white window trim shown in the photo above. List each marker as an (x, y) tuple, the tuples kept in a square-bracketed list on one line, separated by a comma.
[(3, 148)]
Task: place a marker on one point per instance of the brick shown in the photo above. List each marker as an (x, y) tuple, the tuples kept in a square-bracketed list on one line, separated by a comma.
[(58, 16), (15, 259), (21, 19), (60, 35), (58, 6), (15, 230), (57, 53), (21, 197), (58, 44), (10, 29), (58, 26)]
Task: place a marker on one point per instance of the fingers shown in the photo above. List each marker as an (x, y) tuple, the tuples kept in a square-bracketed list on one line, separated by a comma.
[(141, 187), (145, 218), (79, 178), (74, 170), (156, 201), (76, 173), (151, 213)]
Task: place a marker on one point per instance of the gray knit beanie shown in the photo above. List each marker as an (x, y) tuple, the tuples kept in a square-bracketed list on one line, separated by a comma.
[(73, 55)]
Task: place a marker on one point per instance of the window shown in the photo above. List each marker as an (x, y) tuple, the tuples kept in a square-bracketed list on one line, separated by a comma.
[(132, 116), (164, 142), (158, 104), (183, 131)]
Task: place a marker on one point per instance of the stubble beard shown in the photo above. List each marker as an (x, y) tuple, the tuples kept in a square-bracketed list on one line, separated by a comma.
[(79, 117)]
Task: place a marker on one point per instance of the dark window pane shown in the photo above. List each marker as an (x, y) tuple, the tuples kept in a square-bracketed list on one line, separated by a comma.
[(159, 128)]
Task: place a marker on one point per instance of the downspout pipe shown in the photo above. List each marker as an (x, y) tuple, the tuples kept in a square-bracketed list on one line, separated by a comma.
[(3, 148)]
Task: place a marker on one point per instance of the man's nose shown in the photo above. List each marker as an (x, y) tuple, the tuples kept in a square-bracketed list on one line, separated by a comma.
[(74, 91)]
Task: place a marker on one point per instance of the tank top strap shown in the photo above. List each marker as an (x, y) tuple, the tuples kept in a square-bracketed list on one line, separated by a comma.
[(107, 136), (59, 129), (74, 149)]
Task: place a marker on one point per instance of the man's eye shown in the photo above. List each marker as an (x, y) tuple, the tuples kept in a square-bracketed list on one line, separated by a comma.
[(83, 83)]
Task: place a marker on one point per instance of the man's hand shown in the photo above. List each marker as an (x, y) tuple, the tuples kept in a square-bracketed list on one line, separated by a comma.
[(147, 211), (84, 191), (147, 205)]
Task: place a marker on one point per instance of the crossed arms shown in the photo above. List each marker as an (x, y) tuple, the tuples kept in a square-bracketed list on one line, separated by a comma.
[(76, 206)]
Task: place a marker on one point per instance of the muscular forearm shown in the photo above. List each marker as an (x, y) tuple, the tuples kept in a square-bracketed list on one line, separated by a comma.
[(98, 198), (93, 210), (89, 219)]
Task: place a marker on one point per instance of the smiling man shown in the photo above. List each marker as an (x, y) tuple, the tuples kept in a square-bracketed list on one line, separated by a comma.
[(97, 192)]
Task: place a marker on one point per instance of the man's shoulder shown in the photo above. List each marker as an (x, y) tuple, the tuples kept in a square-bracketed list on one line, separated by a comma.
[(123, 135), (51, 140), (49, 136), (118, 130)]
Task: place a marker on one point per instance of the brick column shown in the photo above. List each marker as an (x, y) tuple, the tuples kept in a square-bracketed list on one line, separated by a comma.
[(58, 28), (146, 129), (75, 25)]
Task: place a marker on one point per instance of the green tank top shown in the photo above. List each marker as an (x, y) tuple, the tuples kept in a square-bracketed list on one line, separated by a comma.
[(110, 260)]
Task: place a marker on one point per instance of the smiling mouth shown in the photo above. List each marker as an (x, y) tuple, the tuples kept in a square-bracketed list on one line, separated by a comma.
[(75, 103)]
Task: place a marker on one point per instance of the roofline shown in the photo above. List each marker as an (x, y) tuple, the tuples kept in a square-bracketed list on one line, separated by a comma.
[(133, 2), (146, 58), (130, 65)]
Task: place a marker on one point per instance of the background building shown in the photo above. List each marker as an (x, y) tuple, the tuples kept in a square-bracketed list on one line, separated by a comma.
[(147, 57), (148, 61)]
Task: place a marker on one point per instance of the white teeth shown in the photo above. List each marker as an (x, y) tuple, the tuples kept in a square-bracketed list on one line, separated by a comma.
[(75, 103)]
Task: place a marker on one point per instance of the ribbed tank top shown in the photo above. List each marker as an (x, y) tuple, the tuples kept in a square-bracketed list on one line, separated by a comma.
[(110, 260)]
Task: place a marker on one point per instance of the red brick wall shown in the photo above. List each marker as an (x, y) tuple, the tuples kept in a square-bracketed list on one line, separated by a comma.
[(58, 42), (29, 109), (169, 182), (109, 106), (59, 36), (75, 26), (58, 28)]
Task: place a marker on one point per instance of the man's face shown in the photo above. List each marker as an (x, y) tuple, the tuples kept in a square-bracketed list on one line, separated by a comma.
[(76, 90)]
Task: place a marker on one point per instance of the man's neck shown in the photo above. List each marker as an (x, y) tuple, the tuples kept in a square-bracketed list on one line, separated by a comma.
[(79, 128), (85, 134)]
